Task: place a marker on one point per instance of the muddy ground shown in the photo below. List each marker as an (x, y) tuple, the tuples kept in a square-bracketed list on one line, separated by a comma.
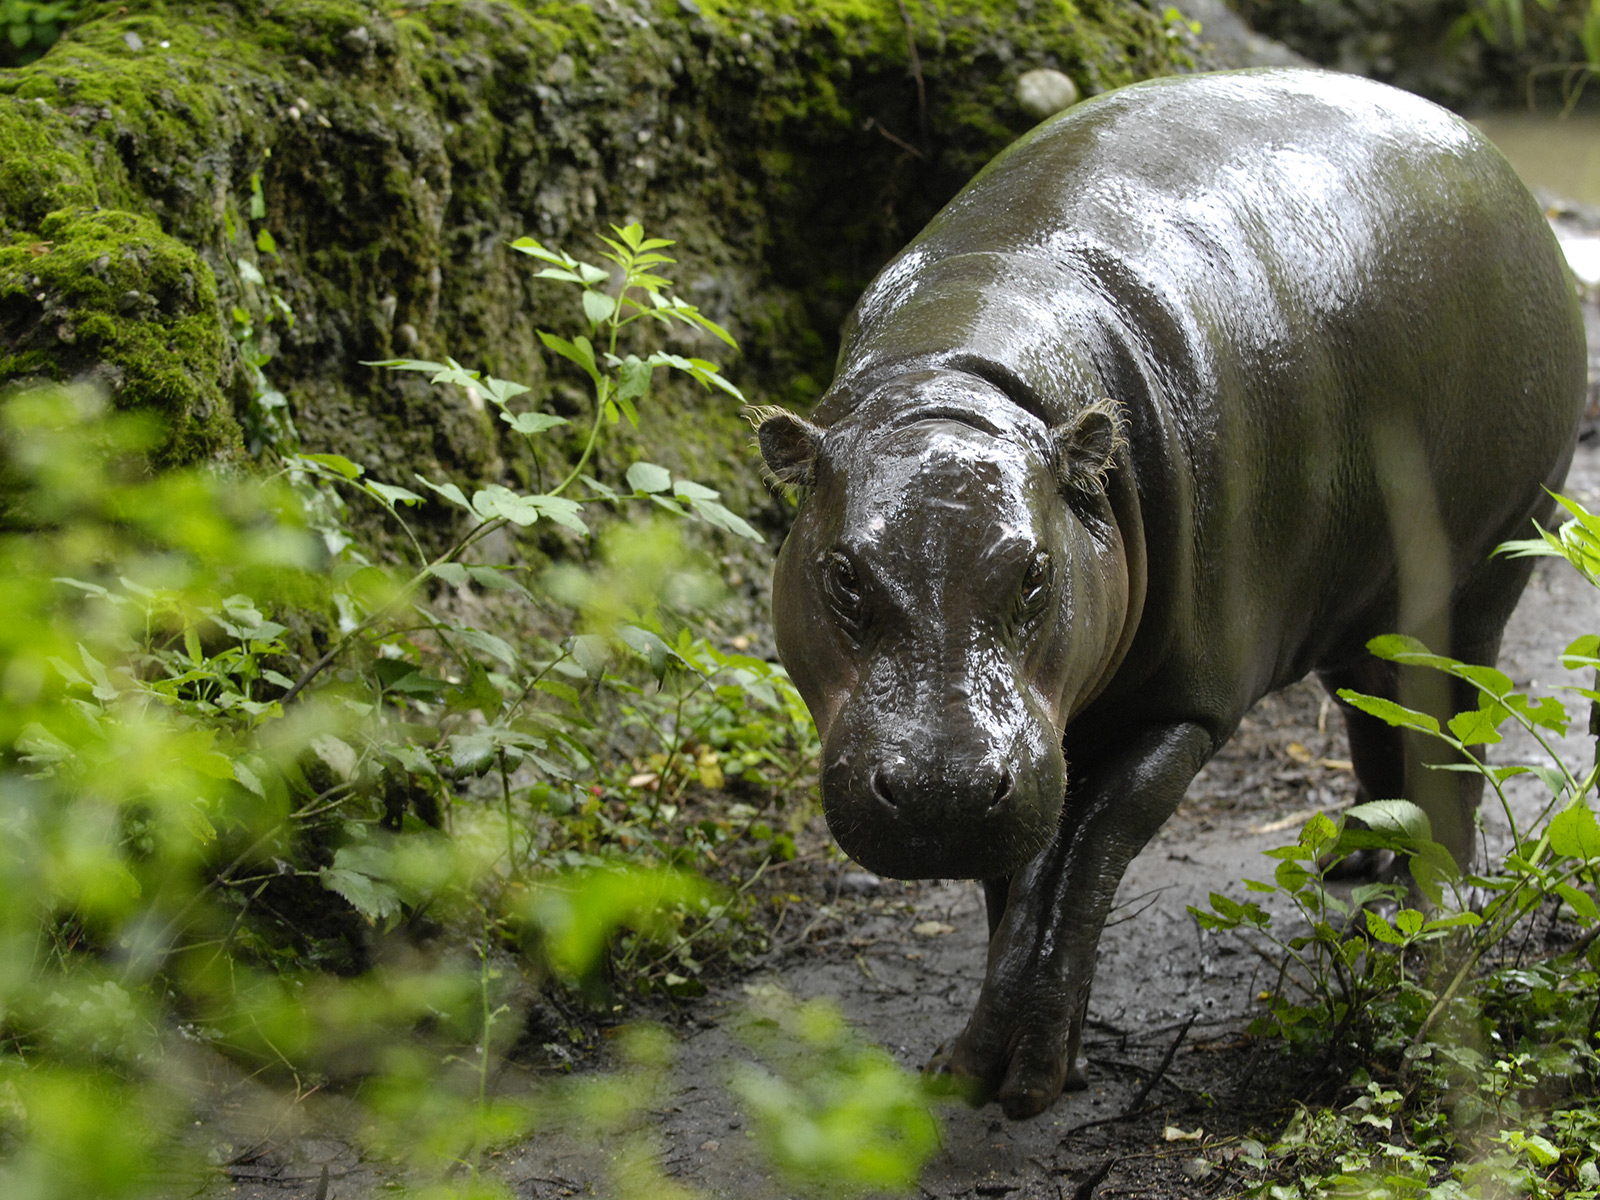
[(904, 961)]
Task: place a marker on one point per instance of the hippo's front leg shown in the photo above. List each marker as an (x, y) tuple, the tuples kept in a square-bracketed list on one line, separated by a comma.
[(1021, 1044)]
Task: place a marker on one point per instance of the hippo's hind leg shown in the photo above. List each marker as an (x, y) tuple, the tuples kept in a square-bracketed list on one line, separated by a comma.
[(1391, 763)]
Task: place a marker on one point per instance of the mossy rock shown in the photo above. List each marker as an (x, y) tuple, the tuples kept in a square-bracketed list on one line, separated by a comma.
[(367, 172), (106, 296)]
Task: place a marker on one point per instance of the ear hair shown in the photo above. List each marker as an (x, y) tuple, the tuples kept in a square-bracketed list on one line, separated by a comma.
[(1085, 445), (788, 444)]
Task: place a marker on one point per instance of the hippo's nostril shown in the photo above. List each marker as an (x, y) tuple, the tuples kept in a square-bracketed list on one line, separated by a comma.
[(881, 789), (1003, 790)]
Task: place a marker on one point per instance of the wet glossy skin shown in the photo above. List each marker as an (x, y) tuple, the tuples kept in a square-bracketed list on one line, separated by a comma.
[(940, 707), (1344, 355)]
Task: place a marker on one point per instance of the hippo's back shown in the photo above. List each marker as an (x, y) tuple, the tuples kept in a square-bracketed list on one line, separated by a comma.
[(1231, 222), (1316, 298)]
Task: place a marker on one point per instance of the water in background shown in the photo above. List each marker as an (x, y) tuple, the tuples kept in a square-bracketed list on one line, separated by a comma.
[(1552, 154)]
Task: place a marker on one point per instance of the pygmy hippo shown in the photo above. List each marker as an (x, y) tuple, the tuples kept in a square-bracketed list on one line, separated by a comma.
[(1193, 390)]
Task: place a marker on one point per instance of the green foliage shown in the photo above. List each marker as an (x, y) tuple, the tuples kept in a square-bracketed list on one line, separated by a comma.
[(1503, 24), (1577, 541), (271, 808), (840, 1115), (1494, 1060), (1339, 972), (30, 27)]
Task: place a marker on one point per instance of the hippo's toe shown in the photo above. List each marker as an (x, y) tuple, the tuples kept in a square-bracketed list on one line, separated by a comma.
[(1025, 1072)]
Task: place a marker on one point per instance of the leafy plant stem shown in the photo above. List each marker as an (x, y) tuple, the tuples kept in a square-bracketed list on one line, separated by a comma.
[(602, 391), (690, 937), (403, 595), (483, 1044), (220, 879), (317, 805), (527, 690), (512, 866)]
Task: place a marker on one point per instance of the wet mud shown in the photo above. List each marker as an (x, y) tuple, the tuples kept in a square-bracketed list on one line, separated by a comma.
[(1173, 1077)]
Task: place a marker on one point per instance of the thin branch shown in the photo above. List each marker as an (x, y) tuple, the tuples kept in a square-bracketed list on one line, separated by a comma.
[(916, 73), (872, 123), (1166, 1061)]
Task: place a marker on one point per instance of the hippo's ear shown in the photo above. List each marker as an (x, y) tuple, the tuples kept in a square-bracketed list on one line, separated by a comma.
[(789, 445), (1085, 445)]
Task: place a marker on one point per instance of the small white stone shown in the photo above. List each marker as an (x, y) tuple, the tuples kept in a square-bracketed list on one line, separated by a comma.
[(1043, 92), (562, 70), (1583, 256)]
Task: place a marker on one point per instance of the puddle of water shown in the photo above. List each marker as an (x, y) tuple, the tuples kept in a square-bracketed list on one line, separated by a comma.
[(1551, 153)]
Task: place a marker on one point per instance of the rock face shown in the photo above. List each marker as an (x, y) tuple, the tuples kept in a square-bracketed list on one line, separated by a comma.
[(1465, 56), (175, 181)]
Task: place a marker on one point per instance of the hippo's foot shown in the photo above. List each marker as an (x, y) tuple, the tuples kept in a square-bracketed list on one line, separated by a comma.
[(1024, 1062)]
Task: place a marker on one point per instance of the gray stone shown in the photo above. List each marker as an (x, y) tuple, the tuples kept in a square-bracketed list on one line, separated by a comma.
[(859, 883), (1044, 92), (561, 70)]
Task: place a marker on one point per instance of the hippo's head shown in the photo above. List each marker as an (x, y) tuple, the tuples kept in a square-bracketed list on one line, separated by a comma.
[(952, 589)]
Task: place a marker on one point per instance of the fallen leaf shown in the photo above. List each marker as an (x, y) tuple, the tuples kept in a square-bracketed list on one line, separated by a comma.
[(1299, 816), (1173, 1134), (1299, 753), (932, 929)]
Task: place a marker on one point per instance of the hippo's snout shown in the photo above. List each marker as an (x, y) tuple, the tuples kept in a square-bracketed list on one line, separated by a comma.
[(932, 816), (892, 784)]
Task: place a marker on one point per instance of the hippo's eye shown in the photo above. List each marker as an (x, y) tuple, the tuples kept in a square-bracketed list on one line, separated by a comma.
[(843, 587), (1035, 585)]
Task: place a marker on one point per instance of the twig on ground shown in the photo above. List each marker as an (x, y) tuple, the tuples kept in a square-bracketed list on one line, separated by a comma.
[(873, 123), (1086, 1189), (1166, 1061), (1585, 940), (1153, 895)]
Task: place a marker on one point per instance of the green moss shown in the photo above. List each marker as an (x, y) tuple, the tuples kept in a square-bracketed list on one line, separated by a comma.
[(789, 147), (108, 295), (41, 169)]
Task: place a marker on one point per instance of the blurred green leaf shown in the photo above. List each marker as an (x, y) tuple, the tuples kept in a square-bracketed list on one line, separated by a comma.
[(1575, 834)]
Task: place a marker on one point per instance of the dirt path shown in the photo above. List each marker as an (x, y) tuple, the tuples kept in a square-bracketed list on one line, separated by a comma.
[(905, 962)]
